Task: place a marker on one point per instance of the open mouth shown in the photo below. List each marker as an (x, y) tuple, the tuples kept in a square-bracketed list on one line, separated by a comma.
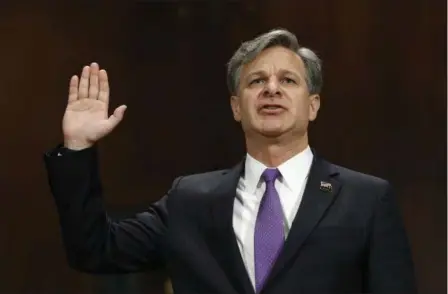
[(271, 109)]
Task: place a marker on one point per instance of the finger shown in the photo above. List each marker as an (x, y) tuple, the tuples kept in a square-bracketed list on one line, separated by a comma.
[(104, 86), (93, 82), (117, 116), (73, 89), (84, 83)]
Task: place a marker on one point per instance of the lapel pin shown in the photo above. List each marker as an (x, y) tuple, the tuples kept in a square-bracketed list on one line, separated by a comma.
[(325, 186)]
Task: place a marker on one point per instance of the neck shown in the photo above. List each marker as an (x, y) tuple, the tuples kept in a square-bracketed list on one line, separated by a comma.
[(272, 152)]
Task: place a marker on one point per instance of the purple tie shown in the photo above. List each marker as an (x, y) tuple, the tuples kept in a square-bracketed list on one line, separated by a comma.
[(269, 231)]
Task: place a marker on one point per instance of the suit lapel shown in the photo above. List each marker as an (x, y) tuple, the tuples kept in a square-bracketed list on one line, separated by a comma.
[(320, 191), (222, 218)]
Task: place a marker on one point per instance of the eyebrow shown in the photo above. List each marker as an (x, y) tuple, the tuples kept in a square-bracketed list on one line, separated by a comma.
[(263, 72)]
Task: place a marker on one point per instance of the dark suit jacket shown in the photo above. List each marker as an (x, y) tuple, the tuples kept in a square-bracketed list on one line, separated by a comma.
[(347, 240)]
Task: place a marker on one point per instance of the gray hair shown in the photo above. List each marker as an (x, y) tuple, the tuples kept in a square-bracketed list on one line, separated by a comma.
[(249, 50)]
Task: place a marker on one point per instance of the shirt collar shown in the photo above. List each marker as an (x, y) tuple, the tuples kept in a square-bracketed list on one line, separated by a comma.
[(293, 171)]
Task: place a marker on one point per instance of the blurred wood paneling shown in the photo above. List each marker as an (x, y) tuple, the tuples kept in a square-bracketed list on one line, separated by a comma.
[(384, 111)]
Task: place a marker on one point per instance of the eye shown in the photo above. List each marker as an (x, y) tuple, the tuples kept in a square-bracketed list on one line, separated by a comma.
[(256, 81), (288, 81)]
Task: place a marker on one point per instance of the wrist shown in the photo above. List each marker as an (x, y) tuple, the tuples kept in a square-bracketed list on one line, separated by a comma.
[(76, 145)]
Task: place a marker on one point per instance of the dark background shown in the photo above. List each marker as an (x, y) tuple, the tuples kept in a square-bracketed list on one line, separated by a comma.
[(384, 111)]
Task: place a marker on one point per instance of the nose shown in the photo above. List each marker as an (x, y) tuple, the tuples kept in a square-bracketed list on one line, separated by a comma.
[(272, 87)]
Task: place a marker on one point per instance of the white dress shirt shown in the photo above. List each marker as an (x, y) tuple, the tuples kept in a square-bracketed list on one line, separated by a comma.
[(290, 186)]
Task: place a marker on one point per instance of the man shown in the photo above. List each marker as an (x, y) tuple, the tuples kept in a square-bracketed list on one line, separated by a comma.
[(283, 220)]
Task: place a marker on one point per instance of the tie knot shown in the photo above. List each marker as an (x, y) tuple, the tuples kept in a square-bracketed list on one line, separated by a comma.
[(270, 174)]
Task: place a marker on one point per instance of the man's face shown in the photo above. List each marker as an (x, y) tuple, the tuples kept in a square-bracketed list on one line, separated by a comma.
[(273, 97)]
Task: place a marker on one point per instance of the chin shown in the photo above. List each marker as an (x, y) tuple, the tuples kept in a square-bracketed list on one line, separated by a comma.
[(272, 132)]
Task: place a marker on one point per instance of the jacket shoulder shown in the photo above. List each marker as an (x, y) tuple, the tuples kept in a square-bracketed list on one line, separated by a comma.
[(359, 179), (200, 182)]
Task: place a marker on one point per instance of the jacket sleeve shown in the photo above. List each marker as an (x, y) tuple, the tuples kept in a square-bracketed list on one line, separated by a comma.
[(390, 267), (93, 242)]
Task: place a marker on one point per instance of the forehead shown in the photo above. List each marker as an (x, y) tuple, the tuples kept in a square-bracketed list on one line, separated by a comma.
[(274, 59)]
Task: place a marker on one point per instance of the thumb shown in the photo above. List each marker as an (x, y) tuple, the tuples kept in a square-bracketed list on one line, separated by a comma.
[(117, 116)]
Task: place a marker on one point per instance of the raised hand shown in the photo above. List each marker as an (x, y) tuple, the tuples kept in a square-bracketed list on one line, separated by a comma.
[(86, 118)]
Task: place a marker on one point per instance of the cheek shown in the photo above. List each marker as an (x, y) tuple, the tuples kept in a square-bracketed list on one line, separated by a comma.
[(301, 108), (247, 114), (248, 107)]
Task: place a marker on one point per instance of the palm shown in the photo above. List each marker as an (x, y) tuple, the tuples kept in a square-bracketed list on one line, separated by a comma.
[(86, 117)]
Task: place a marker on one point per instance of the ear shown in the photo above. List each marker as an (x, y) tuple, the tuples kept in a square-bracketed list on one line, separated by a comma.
[(313, 107), (235, 104)]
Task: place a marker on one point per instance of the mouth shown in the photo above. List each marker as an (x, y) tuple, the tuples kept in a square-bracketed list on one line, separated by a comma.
[(271, 109)]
